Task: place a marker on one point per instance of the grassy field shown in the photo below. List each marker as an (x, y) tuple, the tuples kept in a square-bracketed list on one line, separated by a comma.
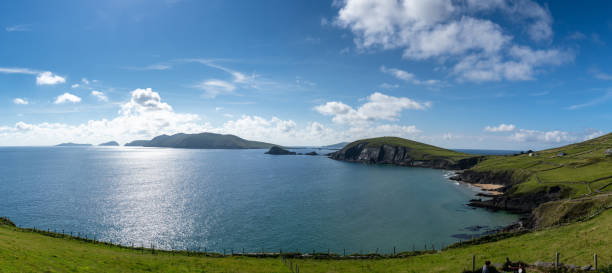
[(22, 251), (584, 170), (418, 150)]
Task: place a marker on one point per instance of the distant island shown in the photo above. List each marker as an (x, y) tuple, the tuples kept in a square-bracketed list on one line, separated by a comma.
[(201, 141), (110, 143), (70, 144), (275, 150), (140, 143)]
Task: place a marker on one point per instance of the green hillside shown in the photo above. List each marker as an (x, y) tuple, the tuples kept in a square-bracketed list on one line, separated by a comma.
[(579, 169)]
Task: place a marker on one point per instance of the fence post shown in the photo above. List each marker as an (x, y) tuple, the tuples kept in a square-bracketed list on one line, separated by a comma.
[(473, 263), (595, 260), (344, 252), (557, 260), (393, 251)]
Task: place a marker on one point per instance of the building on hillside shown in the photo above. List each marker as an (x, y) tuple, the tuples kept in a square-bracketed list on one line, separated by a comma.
[(609, 151), (561, 154)]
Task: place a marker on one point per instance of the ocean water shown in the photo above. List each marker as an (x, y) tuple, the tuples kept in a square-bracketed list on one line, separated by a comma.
[(234, 199)]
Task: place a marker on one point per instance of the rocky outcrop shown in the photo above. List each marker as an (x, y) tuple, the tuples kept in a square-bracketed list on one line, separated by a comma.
[(398, 155), (519, 203), (275, 150), (505, 178)]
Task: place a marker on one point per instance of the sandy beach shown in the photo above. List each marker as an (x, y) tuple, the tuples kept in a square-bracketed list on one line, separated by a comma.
[(490, 188)]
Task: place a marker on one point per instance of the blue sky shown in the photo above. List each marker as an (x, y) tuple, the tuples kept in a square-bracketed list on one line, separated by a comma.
[(505, 74)]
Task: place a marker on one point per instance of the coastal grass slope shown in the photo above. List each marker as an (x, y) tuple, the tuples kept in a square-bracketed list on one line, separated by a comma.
[(26, 251), (578, 169)]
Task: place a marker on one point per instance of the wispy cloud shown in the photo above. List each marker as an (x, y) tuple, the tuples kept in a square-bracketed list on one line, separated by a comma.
[(159, 66), (408, 77), (23, 27), (606, 97), (99, 95)]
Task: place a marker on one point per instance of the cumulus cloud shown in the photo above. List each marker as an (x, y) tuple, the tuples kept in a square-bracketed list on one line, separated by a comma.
[(48, 78), (67, 98), (144, 101), (99, 95), (20, 101), (76, 85), (378, 107), (500, 128), (456, 32)]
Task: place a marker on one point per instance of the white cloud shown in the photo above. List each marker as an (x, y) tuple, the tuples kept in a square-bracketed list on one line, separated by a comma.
[(500, 128), (67, 97), (555, 136), (85, 80), (48, 78), (99, 95), (591, 134), (378, 107), (20, 101), (215, 87), (75, 85), (144, 101), (459, 33)]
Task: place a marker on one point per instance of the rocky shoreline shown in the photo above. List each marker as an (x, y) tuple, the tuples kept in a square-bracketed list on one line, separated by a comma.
[(507, 201)]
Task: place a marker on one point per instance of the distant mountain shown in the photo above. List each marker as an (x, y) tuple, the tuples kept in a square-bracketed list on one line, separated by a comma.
[(137, 143), (336, 146), (201, 141), (110, 143), (70, 144)]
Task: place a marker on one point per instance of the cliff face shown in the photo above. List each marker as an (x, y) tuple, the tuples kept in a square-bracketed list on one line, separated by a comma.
[(399, 155)]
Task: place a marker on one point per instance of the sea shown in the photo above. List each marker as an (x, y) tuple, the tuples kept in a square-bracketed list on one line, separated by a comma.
[(237, 200)]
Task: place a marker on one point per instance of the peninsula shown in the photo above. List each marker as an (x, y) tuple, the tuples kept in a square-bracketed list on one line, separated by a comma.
[(201, 141)]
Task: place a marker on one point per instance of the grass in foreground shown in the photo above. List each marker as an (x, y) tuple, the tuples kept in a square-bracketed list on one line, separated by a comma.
[(22, 251)]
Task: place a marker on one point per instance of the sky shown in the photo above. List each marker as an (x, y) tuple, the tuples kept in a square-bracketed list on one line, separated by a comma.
[(475, 74)]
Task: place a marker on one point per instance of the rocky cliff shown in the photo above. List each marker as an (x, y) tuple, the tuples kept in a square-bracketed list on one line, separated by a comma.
[(403, 156)]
